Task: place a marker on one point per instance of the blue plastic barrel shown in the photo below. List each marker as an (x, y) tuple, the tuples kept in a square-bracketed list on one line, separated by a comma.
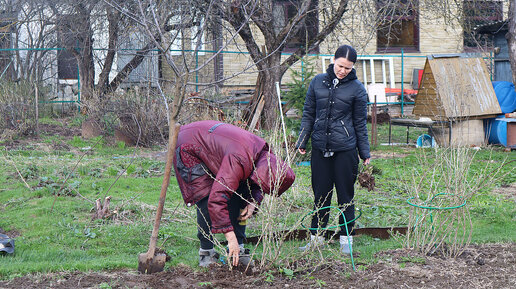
[(506, 95), (497, 131)]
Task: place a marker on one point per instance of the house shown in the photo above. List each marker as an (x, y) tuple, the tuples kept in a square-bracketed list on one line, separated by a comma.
[(392, 38)]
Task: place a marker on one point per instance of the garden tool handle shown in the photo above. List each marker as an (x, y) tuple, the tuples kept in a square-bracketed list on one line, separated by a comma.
[(172, 141)]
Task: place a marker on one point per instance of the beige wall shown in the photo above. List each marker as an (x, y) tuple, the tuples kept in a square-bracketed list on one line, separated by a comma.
[(437, 36)]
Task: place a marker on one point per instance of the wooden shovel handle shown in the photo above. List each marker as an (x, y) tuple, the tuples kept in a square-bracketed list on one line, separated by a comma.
[(172, 141)]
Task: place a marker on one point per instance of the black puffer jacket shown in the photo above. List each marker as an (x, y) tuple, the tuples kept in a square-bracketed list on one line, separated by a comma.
[(335, 114)]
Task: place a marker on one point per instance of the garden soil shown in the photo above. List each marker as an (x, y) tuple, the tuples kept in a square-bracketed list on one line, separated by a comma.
[(480, 266)]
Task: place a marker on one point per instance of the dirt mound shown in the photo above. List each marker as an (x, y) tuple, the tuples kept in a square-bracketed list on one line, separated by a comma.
[(480, 266), (381, 118), (59, 128)]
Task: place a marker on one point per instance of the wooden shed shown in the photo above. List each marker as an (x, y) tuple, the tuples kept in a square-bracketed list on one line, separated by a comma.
[(456, 92), (455, 88)]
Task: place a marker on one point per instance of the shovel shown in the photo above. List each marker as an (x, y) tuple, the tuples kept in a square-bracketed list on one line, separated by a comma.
[(152, 262)]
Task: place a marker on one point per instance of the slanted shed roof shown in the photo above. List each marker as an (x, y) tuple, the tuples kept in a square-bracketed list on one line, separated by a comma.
[(492, 27), (455, 88)]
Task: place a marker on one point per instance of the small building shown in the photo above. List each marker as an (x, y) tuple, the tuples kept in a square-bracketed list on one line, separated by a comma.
[(456, 91)]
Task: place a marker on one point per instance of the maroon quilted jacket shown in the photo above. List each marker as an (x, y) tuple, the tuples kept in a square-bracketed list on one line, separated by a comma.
[(212, 158)]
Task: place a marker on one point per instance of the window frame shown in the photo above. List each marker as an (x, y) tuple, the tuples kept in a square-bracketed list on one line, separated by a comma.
[(468, 35), (289, 46), (415, 47), (67, 65)]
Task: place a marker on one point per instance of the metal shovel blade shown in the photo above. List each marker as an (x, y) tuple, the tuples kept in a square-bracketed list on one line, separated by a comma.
[(151, 265)]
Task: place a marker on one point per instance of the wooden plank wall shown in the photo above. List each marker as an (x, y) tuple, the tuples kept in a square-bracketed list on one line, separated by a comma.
[(427, 102), (456, 88)]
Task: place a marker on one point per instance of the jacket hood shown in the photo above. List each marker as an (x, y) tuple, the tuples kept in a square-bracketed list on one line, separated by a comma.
[(271, 174), (352, 75)]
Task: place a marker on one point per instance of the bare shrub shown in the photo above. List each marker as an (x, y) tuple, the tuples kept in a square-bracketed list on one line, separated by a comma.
[(141, 117), (196, 108), (17, 111), (440, 190), (286, 215)]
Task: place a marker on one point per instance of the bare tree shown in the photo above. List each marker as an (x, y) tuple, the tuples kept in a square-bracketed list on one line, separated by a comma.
[(163, 23), (254, 21), (71, 25), (268, 60)]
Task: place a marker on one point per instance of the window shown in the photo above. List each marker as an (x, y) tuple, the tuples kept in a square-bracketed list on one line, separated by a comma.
[(398, 26), (284, 10), (478, 12), (176, 45), (147, 72), (66, 62), (191, 34)]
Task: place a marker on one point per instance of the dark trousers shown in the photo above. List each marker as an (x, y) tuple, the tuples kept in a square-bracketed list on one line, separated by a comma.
[(235, 203), (339, 171)]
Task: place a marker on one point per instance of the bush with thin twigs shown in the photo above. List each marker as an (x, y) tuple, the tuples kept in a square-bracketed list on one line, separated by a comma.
[(439, 190), (140, 117), (17, 111), (197, 108), (284, 215)]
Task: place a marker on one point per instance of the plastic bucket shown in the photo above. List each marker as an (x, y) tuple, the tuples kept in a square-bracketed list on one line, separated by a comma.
[(425, 141)]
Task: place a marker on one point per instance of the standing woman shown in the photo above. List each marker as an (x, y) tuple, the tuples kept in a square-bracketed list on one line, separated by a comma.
[(335, 115)]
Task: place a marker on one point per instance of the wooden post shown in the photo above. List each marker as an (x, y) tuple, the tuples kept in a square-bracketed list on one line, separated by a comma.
[(257, 113), (36, 92), (374, 132)]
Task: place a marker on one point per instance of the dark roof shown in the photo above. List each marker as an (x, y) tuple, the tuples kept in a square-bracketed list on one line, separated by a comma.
[(492, 28)]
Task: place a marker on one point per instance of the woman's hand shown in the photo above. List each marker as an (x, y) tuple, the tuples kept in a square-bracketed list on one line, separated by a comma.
[(301, 151), (367, 161), (234, 249), (247, 212)]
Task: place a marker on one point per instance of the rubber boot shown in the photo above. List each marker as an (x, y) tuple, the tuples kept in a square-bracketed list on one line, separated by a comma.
[(244, 257), (207, 257), (346, 244), (315, 241)]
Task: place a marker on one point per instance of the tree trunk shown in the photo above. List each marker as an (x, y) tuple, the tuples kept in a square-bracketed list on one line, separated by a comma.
[(83, 51), (266, 86), (271, 109), (86, 68), (511, 38), (114, 18), (86, 74)]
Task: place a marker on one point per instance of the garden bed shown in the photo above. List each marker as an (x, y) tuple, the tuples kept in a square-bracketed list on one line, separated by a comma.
[(480, 266)]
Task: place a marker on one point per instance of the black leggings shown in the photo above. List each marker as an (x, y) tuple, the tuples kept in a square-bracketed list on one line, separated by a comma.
[(339, 170), (235, 203)]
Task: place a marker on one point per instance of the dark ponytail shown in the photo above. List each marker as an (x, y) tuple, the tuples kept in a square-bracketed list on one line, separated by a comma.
[(347, 52)]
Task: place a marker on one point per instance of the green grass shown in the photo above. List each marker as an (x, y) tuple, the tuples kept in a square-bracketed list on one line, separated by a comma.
[(58, 234)]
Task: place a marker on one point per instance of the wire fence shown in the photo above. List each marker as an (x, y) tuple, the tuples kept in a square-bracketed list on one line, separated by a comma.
[(56, 73)]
